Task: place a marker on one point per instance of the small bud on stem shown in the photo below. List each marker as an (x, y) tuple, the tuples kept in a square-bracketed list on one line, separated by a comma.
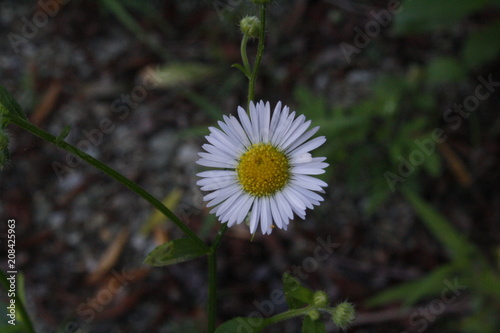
[(343, 315), (250, 26)]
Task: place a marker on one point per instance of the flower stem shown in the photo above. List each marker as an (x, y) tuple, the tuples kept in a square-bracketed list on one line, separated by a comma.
[(288, 315), (19, 304), (212, 279), (244, 56), (260, 52), (110, 172)]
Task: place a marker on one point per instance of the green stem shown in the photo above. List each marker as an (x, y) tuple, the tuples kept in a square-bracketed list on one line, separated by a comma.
[(260, 52), (244, 56), (110, 172), (212, 279), (288, 315), (19, 303)]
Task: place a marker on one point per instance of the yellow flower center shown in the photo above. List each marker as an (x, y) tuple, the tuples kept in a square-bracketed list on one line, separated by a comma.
[(263, 170)]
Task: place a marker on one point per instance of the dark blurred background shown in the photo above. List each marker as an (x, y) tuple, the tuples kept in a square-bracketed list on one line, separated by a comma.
[(406, 93)]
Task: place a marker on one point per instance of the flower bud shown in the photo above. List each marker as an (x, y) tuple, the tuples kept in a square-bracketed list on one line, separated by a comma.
[(343, 315), (250, 26), (320, 299)]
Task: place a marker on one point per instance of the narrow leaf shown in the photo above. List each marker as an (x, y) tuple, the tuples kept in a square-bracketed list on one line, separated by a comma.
[(9, 105), (174, 252), (295, 294), (411, 292), (64, 133), (241, 324), (451, 239), (241, 68)]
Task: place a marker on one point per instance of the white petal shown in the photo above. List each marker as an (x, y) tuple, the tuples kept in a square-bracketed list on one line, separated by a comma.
[(304, 158), (275, 118), (298, 211), (312, 165), (293, 128), (254, 118), (265, 216), (213, 164), (236, 127), (295, 135), (311, 180), (307, 171), (302, 198), (269, 231), (297, 182), (293, 200), (308, 146), (216, 151), (244, 207), (222, 145), (232, 212), (231, 162), (276, 213), (310, 195), (217, 173), (215, 185), (247, 125), (212, 180), (232, 133), (255, 215), (284, 205), (283, 125), (225, 140), (218, 196), (228, 206), (265, 116), (303, 138)]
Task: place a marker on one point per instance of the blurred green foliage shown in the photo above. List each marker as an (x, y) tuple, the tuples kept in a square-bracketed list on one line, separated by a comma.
[(468, 269), (372, 136), (430, 16), (377, 132)]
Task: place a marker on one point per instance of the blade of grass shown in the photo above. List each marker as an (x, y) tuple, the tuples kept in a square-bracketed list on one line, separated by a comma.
[(128, 21), (458, 246)]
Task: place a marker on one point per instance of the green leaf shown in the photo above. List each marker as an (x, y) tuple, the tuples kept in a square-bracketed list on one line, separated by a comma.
[(313, 326), (174, 252), (8, 105), (295, 294), (241, 68), (482, 45), (241, 324), (64, 133)]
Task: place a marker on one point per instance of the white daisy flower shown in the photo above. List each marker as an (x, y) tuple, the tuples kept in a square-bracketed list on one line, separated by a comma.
[(264, 168)]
